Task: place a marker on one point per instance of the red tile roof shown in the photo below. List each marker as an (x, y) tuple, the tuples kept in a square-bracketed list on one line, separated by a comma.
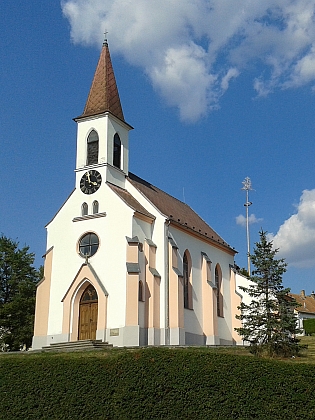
[(103, 96), (179, 213), (307, 303)]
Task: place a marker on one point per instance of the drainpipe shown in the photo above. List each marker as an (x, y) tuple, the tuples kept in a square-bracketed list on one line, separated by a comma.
[(167, 286)]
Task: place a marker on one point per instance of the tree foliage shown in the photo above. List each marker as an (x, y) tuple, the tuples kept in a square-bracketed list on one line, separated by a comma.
[(18, 278), (268, 322)]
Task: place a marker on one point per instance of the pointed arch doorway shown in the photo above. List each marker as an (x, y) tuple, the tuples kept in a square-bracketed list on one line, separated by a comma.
[(88, 311)]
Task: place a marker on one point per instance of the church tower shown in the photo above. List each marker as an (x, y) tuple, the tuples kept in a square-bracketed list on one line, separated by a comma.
[(102, 134)]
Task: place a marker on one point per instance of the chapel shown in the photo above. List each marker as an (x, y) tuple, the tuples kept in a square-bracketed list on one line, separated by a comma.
[(126, 263)]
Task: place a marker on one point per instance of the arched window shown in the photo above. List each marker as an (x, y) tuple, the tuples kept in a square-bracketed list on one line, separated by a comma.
[(95, 207), (218, 284), (187, 282), (140, 294), (84, 209), (89, 294), (117, 151), (92, 148)]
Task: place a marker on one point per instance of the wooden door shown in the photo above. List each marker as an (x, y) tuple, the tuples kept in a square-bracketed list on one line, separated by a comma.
[(88, 314)]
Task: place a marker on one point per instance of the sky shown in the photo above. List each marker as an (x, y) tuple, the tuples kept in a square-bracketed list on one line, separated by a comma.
[(216, 90)]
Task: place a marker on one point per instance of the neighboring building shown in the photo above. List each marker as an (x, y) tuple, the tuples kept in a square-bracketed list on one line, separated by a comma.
[(126, 262), (307, 308)]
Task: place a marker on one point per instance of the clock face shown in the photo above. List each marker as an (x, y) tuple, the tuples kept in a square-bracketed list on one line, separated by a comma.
[(90, 182)]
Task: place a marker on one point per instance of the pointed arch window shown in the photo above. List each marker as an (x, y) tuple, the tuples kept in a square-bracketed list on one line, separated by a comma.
[(95, 207), (218, 284), (84, 209), (187, 281), (92, 148), (117, 151), (89, 294)]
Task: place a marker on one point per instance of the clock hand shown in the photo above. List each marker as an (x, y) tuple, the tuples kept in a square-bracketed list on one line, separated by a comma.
[(88, 177)]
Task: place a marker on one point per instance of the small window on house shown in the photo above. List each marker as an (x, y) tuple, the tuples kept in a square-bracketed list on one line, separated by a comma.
[(187, 281), (218, 284), (141, 294), (92, 148), (84, 209), (95, 207), (117, 151)]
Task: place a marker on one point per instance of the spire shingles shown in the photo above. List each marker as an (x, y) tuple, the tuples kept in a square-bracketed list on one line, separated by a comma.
[(103, 96)]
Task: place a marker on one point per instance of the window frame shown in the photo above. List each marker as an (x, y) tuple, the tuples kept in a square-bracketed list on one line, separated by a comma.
[(93, 245), (187, 283), (92, 146), (95, 207), (117, 151), (84, 209), (218, 284)]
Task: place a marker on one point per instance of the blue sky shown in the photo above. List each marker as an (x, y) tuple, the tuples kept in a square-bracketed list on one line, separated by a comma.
[(214, 94)]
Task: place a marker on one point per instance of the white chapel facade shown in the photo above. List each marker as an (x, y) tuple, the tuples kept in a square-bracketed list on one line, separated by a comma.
[(126, 263)]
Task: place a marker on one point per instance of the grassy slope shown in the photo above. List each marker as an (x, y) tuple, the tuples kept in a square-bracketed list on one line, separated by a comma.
[(155, 383)]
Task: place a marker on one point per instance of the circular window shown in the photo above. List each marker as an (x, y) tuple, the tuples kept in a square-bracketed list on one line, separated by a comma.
[(88, 245)]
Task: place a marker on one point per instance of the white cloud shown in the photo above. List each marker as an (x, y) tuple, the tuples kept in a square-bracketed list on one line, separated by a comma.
[(241, 220), (296, 236), (193, 49), (184, 81)]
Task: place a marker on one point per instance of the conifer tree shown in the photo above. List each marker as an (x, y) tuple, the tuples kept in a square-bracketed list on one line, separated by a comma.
[(18, 278), (268, 322)]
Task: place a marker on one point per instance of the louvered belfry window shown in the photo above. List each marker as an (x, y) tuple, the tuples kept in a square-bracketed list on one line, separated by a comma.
[(92, 148), (117, 151)]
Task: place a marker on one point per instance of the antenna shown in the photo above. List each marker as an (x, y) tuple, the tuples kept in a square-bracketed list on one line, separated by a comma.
[(247, 187)]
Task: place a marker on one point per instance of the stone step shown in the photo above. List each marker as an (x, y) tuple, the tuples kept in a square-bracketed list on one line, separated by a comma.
[(80, 345)]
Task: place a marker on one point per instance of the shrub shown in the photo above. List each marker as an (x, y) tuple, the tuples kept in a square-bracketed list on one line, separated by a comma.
[(154, 383), (309, 326)]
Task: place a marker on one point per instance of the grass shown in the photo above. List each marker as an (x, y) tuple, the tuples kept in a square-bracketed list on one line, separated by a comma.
[(308, 355)]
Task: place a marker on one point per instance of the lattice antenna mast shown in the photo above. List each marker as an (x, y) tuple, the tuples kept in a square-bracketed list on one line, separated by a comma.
[(247, 187)]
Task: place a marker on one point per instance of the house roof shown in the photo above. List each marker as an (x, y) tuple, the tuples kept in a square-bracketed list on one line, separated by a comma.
[(178, 213), (103, 96), (307, 302)]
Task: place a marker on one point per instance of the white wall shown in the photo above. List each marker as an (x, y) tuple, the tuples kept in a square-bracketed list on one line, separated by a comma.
[(193, 319), (109, 262)]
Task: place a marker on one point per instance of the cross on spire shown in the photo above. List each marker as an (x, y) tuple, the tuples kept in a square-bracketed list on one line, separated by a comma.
[(105, 37)]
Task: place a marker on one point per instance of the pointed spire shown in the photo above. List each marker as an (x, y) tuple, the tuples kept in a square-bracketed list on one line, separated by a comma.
[(103, 96)]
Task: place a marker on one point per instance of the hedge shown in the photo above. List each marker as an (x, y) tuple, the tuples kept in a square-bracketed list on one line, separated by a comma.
[(154, 383), (309, 326)]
